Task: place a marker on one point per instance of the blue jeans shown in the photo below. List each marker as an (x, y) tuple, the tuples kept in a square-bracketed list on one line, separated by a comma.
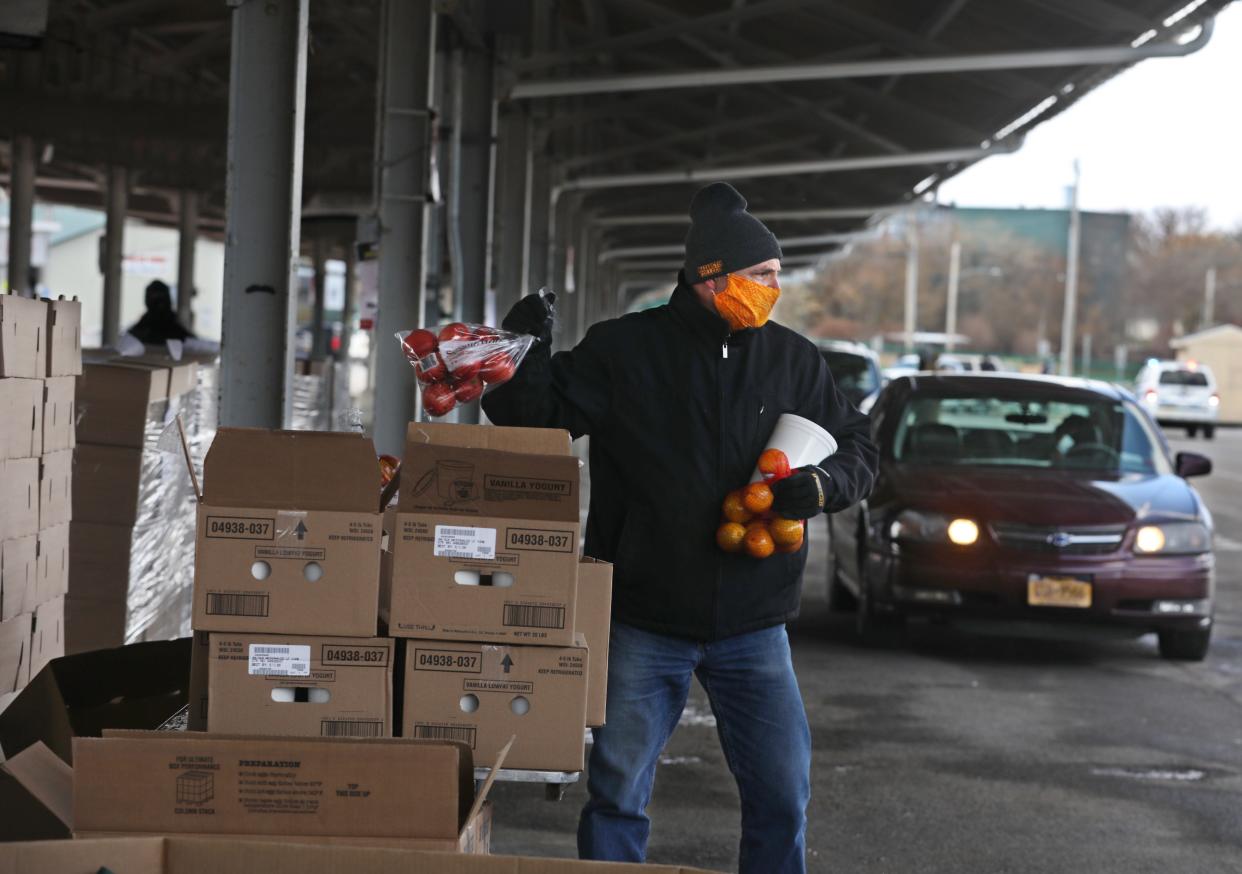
[(763, 731)]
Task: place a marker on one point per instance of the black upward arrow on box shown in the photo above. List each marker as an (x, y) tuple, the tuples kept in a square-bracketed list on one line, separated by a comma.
[(506, 663), (300, 531)]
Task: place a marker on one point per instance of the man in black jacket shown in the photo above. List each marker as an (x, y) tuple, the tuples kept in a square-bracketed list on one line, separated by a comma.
[(679, 402)]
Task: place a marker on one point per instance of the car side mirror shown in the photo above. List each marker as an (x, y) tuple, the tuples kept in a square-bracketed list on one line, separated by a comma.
[(1192, 464)]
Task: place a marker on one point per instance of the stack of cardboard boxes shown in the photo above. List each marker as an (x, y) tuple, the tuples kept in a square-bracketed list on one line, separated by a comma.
[(132, 538), (506, 632), (40, 353)]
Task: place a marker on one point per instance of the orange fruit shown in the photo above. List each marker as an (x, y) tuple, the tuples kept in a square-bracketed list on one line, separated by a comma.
[(734, 510), (757, 498), (758, 541), (785, 531), (790, 547), (729, 536), (774, 463)]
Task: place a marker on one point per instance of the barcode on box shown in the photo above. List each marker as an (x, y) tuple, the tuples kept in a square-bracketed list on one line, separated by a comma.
[(233, 604), (533, 616), (351, 728), (463, 733), (456, 532), (272, 650)]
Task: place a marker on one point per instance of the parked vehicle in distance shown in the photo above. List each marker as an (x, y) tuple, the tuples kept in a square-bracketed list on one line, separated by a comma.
[(1030, 499), (904, 366), (855, 369), (969, 362), (1180, 394)]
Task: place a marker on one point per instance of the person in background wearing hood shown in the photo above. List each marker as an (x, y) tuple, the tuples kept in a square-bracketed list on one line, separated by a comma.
[(159, 323), (679, 402)]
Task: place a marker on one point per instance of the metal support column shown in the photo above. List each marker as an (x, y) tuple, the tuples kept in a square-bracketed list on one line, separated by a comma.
[(319, 263), (347, 308), (114, 246), (267, 101), (537, 222), (912, 284), (407, 67), (187, 239), (511, 184), (950, 309), (1070, 314), (21, 213), (476, 126)]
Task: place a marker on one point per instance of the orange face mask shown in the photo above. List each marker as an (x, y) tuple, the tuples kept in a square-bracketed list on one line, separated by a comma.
[(745, 303)]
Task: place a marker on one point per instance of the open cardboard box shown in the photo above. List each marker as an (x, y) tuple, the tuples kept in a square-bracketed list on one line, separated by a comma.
[(485, 540), (135, 686), (36, 795), (396, 793), (180, 855), (288, 537)]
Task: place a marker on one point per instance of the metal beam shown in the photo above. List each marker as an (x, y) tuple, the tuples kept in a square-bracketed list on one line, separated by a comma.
[(21, 213), (765, 215), (114, 246), (403, 153), (267, 100), (627, 252), (755, 171), (1069, 57), (187, 214)]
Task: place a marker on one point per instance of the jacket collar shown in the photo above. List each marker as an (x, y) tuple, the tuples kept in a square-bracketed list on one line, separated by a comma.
[(685, 303)]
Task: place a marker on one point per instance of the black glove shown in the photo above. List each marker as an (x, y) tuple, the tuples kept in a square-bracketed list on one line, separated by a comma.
[(802, 494), (532, 315)]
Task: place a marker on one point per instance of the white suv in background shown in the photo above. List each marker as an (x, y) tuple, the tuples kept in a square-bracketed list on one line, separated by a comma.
[(1181, 394)]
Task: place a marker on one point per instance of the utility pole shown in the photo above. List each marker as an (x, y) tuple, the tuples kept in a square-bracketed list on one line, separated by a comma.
[(1071, 282), (912, 281), (950, 314), (1209, 299)]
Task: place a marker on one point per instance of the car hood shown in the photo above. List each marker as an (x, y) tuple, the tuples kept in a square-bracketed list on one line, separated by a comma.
[(1039, 497)]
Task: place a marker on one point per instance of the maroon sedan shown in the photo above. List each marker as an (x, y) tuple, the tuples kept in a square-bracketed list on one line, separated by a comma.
[(1028, 499)]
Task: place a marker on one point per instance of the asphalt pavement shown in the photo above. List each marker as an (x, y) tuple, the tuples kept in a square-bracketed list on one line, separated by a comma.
[(952, 752)]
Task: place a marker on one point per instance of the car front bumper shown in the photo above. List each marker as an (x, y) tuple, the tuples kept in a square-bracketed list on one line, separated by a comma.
[(1143, 594)]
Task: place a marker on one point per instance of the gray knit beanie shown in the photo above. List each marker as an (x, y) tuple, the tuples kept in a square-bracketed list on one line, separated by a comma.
[(723, 236)]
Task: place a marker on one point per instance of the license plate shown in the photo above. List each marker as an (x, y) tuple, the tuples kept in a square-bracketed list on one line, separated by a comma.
[(1058, 592)]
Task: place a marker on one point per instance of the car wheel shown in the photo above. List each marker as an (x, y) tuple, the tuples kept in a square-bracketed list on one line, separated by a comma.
[(874, 626), (1185, 646), (1209, 431), (1191, 431)]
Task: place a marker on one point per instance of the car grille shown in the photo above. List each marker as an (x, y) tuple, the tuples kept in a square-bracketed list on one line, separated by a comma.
[(1083, 540)]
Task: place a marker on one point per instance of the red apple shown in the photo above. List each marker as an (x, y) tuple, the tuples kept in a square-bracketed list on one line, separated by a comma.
[(438, 398), (420, 344), (466, 365), (468, 390), (455, 331), (430, 368), (498, 367)]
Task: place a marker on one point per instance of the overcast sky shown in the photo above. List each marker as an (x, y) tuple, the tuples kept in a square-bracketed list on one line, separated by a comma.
[(1167, 132)]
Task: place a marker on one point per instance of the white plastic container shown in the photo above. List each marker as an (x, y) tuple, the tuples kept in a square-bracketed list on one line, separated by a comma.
[(802, 441)]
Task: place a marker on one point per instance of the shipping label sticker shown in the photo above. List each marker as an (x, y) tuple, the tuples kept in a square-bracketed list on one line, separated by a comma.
[(455, 541), (240, 528), (289, 660)]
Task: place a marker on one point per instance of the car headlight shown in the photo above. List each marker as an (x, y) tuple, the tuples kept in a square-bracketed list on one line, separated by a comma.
[(911, 525), (1173, 538)]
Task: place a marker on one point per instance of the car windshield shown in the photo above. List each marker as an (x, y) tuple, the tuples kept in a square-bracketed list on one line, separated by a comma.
[(1183, 377), (852, 373), (1096, 435)]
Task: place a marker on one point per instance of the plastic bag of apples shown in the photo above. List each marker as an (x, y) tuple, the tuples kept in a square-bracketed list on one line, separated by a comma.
[(748, 524), (459, 362)]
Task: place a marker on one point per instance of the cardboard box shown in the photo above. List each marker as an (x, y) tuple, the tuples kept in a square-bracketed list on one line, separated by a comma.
[(19, 576), (21, 418), (93, 624), (108, 481), (135, 686), (486, 539), (23, 328), (300, 685), (47, 635), (593, 621), (56, 488), (19, 498), (36, 795), (58, 414), (64, 332), (52, 567), (482, 694), (115, 400), (184, 782), (200, 656), (15, 652), (288, 537)]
